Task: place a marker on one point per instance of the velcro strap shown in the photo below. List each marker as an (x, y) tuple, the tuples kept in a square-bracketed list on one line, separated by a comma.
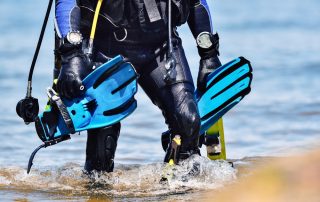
[(54, 98), (152, 10)]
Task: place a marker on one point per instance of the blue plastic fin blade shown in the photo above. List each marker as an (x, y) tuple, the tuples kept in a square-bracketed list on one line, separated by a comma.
[(226, 87)]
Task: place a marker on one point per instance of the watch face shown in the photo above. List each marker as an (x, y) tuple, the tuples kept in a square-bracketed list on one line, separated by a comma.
[(203, 40), (74, 38)]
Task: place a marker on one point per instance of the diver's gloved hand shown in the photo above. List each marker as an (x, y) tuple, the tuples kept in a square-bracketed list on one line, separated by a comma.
[(206, 67), (208, 49), (74, 68)]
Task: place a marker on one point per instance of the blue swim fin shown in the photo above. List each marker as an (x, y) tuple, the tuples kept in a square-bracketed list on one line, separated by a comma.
[(108, 99), (226, 87)]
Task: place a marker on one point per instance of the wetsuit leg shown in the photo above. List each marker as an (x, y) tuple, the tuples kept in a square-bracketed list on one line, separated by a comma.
[(101, 148), (176, 100)]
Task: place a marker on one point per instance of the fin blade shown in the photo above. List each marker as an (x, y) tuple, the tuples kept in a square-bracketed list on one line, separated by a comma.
[(239, 67), (209, 104), (109, 86), (227, 86)]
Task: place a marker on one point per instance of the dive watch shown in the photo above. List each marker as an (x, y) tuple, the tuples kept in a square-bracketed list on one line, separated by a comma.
[(204, 40), (74, 38)]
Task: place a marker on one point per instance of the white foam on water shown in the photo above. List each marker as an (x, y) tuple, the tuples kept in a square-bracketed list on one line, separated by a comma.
[(197, 173), (202, 173), (4, 181)]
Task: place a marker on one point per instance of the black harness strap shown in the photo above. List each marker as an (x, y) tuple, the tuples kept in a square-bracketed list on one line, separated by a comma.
[(54, 98)]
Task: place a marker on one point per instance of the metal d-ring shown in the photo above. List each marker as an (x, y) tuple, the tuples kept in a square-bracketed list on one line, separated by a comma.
[(125, 35)]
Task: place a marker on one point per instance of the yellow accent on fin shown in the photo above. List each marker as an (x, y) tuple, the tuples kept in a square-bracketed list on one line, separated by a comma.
[(177, 140), (55, 81), (217, 129), (171, 162), (167, 172), (47, 107)]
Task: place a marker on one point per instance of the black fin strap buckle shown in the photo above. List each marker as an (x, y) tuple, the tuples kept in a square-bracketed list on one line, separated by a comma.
[(152, 10), (55, 99)]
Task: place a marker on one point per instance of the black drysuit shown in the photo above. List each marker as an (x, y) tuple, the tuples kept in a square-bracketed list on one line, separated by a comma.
[(125, 27)]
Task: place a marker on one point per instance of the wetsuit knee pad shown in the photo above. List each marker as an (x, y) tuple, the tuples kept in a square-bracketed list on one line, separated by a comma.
[(101, 148)]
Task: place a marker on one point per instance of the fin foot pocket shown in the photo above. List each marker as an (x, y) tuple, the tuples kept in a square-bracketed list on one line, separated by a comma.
[(212, 143)]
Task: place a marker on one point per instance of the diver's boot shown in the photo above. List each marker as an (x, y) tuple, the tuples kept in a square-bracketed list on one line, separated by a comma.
[(173, 151), (179, 149), (172, 156), (101, 148), (212, 143)]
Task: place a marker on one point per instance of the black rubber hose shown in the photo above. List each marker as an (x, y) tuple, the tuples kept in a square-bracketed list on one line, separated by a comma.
[(35, 57)]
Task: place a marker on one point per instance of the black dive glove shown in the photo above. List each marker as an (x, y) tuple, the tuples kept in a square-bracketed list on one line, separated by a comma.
[(206, 67), (74, 68), (209, 61)]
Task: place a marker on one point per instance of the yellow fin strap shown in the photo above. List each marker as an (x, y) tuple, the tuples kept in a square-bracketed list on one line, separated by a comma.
[(177, 140), (171, 162), (217, 129)]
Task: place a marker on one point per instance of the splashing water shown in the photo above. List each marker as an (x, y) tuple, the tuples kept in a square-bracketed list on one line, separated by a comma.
[(196, 173)]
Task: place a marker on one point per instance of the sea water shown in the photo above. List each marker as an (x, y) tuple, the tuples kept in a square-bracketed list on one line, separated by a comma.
[(279, 117)]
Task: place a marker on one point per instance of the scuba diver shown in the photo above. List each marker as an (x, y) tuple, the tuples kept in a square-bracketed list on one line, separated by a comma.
[(137, 30)]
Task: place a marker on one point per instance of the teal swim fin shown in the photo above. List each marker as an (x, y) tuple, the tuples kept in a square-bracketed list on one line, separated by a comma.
[(226, 87), (108, 99)]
